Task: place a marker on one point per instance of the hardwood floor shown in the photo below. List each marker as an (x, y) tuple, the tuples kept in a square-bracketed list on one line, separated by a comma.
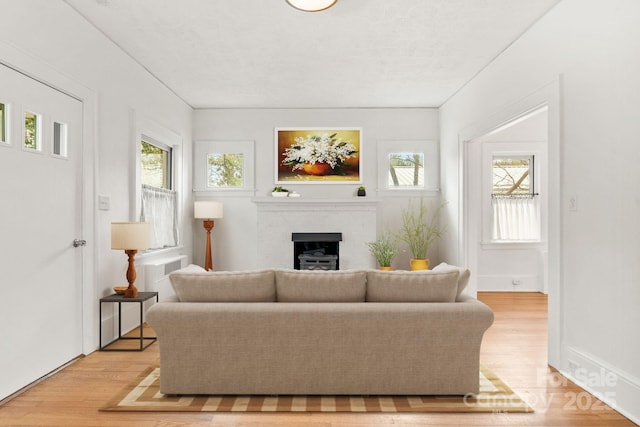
[(514, 348)]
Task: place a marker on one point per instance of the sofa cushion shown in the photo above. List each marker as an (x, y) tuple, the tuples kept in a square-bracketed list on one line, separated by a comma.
[(224, 286), (411, 286), (192, 268), (463, 278), (321, 286)]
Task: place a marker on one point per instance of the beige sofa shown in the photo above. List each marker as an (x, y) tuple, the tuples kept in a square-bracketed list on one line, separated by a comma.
[(290, 332)]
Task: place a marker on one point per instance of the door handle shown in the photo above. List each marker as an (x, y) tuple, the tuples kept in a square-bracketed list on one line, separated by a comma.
[(79, 242)]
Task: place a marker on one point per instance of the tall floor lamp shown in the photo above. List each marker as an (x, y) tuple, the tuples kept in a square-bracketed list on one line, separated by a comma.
[(130, 237), (208, 210)]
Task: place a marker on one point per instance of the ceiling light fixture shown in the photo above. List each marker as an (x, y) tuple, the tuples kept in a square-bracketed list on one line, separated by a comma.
[(312, 5)]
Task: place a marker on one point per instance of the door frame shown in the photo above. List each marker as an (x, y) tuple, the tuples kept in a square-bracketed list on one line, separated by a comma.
[(45, 74), (549, 96)]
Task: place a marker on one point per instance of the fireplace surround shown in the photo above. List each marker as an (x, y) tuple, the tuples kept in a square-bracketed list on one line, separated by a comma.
[(355, 218)]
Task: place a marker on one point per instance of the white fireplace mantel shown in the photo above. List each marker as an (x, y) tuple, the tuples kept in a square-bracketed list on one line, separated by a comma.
[(278, 218), (300, 203)]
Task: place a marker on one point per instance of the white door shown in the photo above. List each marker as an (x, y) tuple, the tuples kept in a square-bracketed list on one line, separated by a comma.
[(40, 216)]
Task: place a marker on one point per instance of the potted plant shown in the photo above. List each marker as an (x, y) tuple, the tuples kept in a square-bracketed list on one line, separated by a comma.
[(279, 192), (420, 229), (361, 191), (384, 249)]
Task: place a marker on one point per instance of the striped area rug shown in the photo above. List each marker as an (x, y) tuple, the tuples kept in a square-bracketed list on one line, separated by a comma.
[(144, 395)]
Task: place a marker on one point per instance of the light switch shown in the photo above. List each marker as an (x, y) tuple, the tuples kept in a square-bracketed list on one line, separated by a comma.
[(573, 203), (104, 203)]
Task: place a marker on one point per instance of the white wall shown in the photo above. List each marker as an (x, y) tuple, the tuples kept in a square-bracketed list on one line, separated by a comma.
[(234, 245), (53, 35), (592, 47)]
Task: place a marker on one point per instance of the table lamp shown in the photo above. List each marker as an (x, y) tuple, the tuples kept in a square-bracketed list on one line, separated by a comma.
[(208, 210), (130, 237)]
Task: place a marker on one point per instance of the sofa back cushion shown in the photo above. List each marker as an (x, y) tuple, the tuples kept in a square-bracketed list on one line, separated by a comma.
[(321, 286), (463, 278), (224, 286), (411, 286), (192, 268)]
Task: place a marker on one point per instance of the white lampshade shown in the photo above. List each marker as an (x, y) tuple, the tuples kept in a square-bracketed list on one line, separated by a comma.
[(130, 235), (312, 5), (207, 209)]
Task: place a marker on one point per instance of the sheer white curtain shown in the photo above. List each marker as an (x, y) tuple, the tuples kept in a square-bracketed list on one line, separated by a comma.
[(515, 218), (159, 208)]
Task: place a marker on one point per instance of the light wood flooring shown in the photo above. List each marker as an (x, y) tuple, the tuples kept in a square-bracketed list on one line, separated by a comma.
[(514, 348)]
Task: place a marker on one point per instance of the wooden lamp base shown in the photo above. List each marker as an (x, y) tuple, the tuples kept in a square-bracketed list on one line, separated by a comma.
[(132, 291), (208, 263)]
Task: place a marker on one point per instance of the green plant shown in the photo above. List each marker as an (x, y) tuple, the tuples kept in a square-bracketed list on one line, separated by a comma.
[(384, 249), (420, 228), (279, 190), (361, 187)]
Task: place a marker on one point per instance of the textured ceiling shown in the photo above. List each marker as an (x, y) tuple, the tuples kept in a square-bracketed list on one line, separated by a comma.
[(359, 53)]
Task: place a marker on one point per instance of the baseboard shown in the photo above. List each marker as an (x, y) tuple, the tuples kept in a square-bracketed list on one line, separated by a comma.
[(616, 388), (501, 283)]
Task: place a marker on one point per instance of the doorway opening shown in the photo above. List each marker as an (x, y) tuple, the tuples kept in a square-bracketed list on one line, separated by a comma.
[(508, 178), (504, 118)]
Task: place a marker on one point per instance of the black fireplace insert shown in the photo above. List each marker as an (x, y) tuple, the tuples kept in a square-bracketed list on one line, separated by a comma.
[(316, 251)]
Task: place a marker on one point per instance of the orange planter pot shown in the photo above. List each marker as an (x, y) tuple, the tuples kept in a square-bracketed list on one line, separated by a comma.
[(419, 264), (318, 169), (385, 268)]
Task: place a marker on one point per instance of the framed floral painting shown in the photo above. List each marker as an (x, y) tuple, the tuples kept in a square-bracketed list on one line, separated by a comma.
[(318, 155)]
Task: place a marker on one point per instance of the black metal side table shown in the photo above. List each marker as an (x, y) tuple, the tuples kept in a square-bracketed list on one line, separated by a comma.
[(115, 298)]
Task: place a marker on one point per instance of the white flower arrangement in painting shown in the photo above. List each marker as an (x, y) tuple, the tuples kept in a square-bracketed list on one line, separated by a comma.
[(315, 149)]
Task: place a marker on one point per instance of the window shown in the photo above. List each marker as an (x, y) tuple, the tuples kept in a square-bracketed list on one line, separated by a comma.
[(515, 209), (512, 176), (406, 170), (158, 204), (156, 164), (225, 170), (3, 123), (60, 139), (407, 166), (32, 131), (223, 166)]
